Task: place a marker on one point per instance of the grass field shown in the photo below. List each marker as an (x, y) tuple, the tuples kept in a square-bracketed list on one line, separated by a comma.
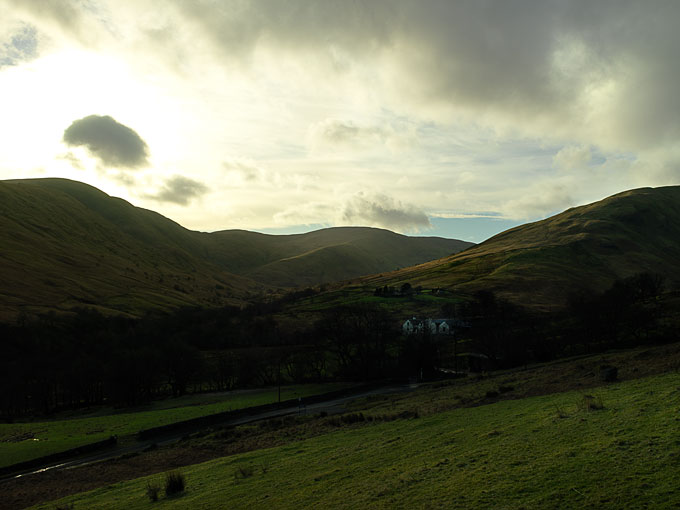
[(24, 441), (618, 449)]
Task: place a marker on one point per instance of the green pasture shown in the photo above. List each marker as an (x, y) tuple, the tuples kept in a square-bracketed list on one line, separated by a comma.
[(417, 303), (20, 442), (617, 447)]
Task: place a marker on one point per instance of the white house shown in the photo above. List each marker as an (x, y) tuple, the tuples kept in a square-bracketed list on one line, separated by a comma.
[(434, 326)]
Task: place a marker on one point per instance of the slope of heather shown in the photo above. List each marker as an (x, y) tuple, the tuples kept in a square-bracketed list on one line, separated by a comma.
[(583, 248)]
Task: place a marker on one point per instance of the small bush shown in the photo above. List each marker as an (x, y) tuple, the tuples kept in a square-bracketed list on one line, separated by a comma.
[(491, 394), (561, 413), (609, 373), (352, 418), (404, 415), (152, 491), (174, 483), (590, 403), (244, 472), (505, 389)]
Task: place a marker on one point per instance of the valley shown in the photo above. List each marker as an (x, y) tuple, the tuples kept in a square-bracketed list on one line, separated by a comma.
[(116, 320)]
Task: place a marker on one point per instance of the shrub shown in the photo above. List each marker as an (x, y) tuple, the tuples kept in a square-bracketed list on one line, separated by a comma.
[(492, 394), (561, 413), (174, 483), (152, 491), (609, 373), (352, 418), (590, 403), (244, 472)]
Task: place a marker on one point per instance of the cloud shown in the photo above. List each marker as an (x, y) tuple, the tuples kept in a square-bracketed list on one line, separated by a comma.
[(539, 201), (337, 134), (465, 215), (310, 213), (596, 72), (381, 210), (361, 209), (73, 19), (112, 143), (242, 172), (180, 190), (572, 158), (590, 70)]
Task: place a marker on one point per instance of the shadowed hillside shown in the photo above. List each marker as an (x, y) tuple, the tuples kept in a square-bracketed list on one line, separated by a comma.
[(326, 255), (584, 248), (66, 244)]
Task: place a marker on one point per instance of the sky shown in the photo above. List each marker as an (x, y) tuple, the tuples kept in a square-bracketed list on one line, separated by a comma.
[(443, 118)]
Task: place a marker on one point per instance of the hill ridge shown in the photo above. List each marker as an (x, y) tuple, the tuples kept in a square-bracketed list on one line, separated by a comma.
[(69, 244), (584, 248)]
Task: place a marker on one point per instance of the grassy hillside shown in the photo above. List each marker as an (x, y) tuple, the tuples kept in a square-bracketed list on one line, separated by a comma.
[(327, 255), (67, 244), (584, 248), (613, 447)]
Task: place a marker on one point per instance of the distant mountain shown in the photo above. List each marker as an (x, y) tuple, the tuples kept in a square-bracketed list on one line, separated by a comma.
[(66, 244), (584, 248), (326, 255)]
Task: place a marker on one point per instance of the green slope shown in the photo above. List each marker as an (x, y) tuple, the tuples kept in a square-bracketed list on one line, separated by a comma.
[(583, 248), (67, 244), (553, 451)]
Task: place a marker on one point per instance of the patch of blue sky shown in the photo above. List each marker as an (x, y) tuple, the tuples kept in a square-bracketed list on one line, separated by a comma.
[(22, 46), (475, 229)]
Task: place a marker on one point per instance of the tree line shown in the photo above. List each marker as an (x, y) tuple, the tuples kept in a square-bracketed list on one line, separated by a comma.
[(55, 362)]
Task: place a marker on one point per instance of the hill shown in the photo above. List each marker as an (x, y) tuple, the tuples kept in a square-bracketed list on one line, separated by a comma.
[(326, 255), (585, 248), (67, 244)]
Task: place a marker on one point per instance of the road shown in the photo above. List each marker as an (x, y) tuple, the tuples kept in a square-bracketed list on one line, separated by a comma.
[(333, 406)]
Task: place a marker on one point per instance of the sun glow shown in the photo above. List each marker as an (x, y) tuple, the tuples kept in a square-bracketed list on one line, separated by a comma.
[(45, 96)]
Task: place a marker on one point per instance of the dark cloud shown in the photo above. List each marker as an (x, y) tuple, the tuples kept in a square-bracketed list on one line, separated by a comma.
[(112, 143), (247, 171), (605, 69), (381, 210), (180, 190)]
